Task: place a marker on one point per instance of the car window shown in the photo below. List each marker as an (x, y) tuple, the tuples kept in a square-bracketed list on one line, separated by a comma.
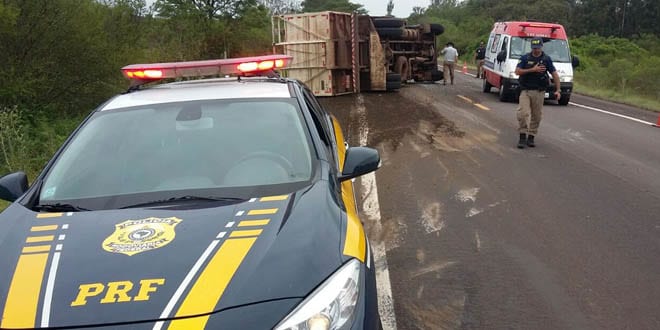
[(493, 46), (555, 48), (190, 145)]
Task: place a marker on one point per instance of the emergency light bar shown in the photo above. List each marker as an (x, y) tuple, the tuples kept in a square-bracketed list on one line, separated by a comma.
[(144, 73), (540, 25)]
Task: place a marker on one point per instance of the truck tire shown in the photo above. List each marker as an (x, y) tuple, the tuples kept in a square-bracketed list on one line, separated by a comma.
[(393, 85), (387, 22), (564, 99), (401, 67), (393, 77), (436, 75), (390, 32), (437, 29), (486, 86)]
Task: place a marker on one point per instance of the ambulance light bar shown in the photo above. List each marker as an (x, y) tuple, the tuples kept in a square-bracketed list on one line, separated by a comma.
[(144, 73)]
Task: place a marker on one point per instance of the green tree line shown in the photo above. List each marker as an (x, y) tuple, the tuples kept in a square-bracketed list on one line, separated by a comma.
[(59, 59)]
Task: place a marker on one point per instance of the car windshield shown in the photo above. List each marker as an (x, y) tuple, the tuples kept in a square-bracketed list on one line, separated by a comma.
[(183, 146), (555, 48)]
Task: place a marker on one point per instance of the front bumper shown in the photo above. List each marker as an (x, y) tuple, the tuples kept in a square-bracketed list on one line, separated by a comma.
[(512, 87)]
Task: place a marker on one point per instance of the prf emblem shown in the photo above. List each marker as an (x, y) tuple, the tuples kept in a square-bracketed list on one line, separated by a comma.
[(135, 236)]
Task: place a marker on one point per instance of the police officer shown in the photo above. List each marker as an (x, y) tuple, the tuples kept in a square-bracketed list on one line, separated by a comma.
[(479, 58), (533, 71)]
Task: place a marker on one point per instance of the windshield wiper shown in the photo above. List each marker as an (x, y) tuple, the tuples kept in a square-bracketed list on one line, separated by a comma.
[(60, 207), (187, 198)]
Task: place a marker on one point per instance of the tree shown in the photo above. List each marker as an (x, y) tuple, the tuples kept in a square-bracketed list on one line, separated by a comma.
[(334, 5)]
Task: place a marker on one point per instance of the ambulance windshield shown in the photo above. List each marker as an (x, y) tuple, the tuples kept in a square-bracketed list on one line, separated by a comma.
[(557, 49)]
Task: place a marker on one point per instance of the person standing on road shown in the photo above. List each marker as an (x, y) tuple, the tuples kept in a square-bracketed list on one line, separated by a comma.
[(451, 57), (533, 71), (479, 58)]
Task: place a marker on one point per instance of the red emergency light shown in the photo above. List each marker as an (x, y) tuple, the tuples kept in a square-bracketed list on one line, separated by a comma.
[(144, 73)]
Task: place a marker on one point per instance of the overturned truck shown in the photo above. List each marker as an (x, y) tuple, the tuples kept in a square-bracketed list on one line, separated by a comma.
[(338, 53)]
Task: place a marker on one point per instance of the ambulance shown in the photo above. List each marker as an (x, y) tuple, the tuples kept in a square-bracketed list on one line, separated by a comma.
[(508, 41)]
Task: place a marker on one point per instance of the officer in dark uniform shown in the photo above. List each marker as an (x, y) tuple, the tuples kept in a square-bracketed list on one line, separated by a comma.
[(479, 58), (533, 70)]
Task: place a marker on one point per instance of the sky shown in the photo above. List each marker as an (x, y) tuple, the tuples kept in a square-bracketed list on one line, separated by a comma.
[(402, 8)]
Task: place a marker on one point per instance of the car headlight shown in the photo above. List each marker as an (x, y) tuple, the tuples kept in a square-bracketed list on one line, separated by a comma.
[(566, 78), (331, 305), (513, 75)]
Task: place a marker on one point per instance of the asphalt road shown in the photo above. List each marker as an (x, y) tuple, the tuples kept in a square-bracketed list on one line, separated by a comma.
[(477, 234)]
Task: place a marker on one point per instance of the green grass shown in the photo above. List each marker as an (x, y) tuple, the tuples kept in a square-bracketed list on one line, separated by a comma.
[(614, 96), (3, 205)]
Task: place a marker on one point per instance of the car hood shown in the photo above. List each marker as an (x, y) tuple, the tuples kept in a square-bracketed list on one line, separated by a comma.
[(134, 265)]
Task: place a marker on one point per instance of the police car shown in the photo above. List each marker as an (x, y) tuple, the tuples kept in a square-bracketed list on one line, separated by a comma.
[(222, 203)]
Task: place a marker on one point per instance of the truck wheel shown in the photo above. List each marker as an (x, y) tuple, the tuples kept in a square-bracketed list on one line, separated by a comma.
[(390, 32), (436, 75), (393, 85), (563, 100), (437, 29), (486, 86), (387, 22), (401, 67), (392, 77)]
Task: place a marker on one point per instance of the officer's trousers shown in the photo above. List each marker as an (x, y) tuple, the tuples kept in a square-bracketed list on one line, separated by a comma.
[(529, 111)]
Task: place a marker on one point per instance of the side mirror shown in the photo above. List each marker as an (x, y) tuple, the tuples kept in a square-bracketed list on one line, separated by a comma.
[(501, 56), (575, 61), (359, 161), (13, 186)]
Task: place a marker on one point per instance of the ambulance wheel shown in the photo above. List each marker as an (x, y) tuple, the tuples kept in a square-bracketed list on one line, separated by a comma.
[(563, 100), (503, 96), (486, 86)]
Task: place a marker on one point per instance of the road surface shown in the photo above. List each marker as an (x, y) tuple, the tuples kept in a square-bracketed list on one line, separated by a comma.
[(470, 232)]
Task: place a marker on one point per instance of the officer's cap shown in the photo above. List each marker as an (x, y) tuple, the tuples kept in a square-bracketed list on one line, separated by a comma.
[(537, 43)]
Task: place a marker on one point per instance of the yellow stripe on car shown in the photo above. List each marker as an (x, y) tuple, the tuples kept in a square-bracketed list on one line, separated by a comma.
[(36, 248), (209, 287), (250, 223), (262, 211), (36, 239), (245, 233), (49, 215), (273, 198), (44, 228), (355, 244), (24, 292)]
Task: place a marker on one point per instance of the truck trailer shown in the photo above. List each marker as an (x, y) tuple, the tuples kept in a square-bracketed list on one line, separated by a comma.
[(338, 53)]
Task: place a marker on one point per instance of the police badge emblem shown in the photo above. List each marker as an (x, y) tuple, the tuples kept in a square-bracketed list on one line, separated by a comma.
[(135, 236)]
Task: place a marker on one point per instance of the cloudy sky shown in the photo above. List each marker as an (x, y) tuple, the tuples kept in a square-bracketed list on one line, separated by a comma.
[(402, 8)]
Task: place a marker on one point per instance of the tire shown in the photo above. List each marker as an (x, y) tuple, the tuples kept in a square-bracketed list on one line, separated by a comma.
[(390, 32), (564, 99), (393, 77), (436, 75), (503, 96), (393, 85), (486, 86), (401, 67), (387, 22), (437, 29)]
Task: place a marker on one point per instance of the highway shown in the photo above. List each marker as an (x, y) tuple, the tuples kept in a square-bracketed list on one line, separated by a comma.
[(470, 232)]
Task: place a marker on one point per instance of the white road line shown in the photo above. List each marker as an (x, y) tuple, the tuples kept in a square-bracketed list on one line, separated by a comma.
[(50, 284), (611, 113), (186, 281), (371, 210)]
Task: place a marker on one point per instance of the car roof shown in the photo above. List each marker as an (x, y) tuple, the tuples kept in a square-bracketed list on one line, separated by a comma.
[(203, 89)]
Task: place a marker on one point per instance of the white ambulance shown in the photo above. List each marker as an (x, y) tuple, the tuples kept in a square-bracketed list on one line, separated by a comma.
[(510, 40)]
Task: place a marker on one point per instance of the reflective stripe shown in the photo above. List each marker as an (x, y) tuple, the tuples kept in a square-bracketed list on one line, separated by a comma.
[(262, 211), (273, 198), (36, 239), (24, 291), (48, 215), (249, 223), (245, 233), (36, 248), (44, 228), (207, 290)]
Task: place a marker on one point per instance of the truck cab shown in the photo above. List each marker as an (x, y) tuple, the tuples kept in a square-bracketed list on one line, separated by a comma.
[(508, 41)]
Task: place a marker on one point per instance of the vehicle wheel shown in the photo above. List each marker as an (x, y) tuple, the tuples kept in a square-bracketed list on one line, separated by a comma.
[(486, 86), (437, 29), (436, 75), (387, 22), (401, 67), (503, 96), (392, 77), (390, 32), (393, 85), (564, 99)]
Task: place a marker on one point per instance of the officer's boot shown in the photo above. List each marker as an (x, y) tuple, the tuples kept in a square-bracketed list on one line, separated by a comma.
[(522, 140), (530, 141)]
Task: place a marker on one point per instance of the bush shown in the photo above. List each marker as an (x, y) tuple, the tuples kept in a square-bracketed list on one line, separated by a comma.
[(13, 141)]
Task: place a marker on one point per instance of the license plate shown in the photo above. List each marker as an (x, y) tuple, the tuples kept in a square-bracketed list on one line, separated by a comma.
[(547, 95)]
